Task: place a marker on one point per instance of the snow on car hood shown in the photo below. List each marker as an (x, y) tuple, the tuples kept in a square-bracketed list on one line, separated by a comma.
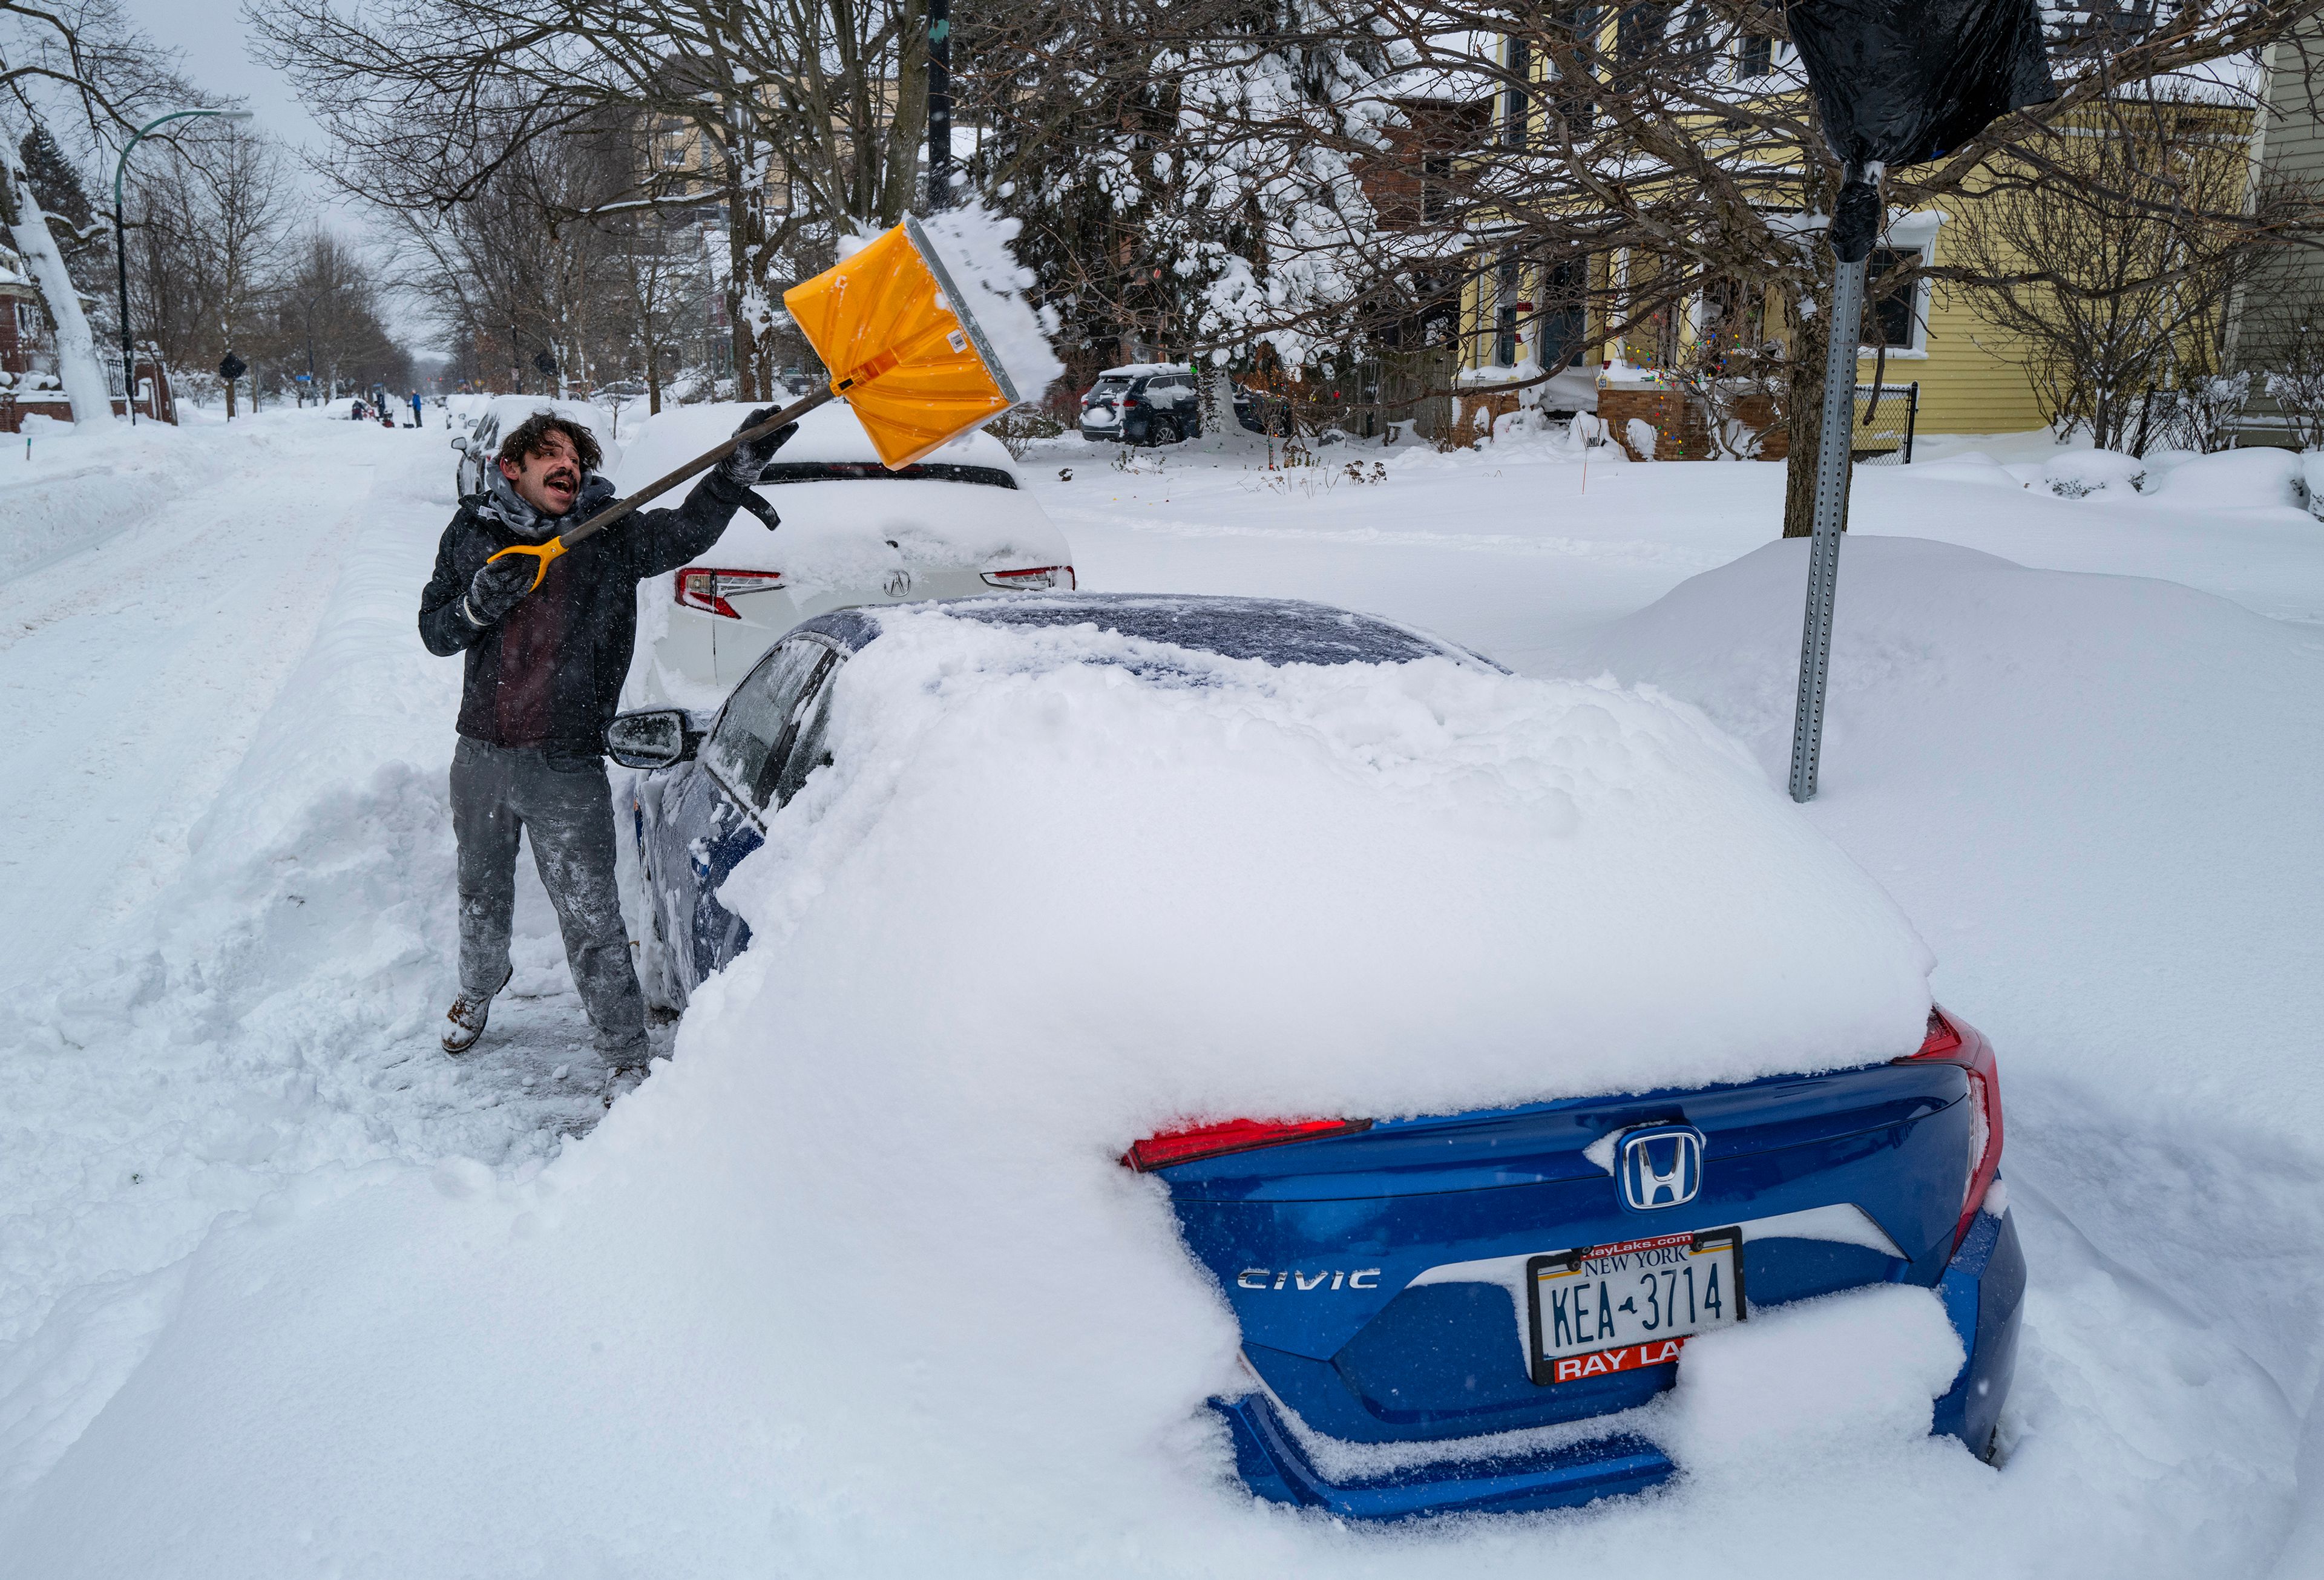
[(850, 533), (855, 1286)]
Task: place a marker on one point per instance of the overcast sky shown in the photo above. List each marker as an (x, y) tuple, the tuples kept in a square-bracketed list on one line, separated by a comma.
[(215, 43)]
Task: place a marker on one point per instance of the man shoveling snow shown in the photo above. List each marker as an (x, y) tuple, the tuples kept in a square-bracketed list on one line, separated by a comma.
[(545, 666)]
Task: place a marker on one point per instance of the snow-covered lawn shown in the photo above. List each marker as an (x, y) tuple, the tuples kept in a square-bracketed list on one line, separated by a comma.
[(244, 1202)]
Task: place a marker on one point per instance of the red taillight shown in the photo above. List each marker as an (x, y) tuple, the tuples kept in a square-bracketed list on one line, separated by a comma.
[(1210, 1141), (1038, 579), (700, 587), (1946, 1043)]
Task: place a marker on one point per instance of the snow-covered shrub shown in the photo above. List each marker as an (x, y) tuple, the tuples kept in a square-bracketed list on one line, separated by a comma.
[(2311, 481), (1640, 433), (2201, 415), (2080, 473), (2259, 478), (1018, 427), (1525, 422)]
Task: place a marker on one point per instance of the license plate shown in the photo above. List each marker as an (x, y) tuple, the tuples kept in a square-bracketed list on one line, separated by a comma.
[(1607, 1308)]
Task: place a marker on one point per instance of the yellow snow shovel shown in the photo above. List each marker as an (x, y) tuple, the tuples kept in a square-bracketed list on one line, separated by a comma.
[(904, 350)]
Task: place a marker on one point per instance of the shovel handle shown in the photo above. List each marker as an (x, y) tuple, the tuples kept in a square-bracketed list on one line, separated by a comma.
[(542, 552), (700, 463), (546, 552)]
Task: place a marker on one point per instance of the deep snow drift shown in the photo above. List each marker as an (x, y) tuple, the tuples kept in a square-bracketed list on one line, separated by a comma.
[(869, 1232), (2089, 791)]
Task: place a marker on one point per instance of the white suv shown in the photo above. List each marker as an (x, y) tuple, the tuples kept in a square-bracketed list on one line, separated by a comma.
[(957, 524)]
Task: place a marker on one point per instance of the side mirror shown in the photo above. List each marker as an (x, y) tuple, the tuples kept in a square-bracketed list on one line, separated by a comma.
[(653, 738), (460, 443)]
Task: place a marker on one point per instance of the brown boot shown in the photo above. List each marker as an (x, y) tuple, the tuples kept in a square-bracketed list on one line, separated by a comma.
[(468, 1015)]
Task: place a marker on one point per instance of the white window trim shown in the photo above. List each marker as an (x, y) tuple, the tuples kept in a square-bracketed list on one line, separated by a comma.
[(1911, 233)]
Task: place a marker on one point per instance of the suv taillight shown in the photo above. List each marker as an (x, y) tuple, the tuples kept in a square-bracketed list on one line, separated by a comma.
[(1210, 1141), (700, 587), (1948, 1044), (1038, 579)]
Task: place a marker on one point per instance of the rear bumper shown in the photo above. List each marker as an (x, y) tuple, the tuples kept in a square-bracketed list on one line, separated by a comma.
[(1983, 1291)]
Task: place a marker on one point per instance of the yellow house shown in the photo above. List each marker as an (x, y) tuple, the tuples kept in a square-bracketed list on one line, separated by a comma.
[(1956, 370)]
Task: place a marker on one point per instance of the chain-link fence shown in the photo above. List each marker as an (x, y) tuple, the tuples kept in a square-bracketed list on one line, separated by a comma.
[(1886, 415)]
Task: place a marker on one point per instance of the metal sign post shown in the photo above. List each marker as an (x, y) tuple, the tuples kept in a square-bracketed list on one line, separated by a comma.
[(1834, 447)]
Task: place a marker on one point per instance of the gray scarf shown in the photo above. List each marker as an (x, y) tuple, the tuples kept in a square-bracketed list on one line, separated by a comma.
[(503, 504)]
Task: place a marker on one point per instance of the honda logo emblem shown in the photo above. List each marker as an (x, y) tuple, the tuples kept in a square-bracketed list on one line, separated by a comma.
[(1659, 1167)]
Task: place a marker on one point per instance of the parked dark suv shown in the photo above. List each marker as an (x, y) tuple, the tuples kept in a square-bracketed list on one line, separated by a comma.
[(1144, 403)]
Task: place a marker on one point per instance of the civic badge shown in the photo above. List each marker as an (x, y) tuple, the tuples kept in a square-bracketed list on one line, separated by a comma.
[(1660, 1166)]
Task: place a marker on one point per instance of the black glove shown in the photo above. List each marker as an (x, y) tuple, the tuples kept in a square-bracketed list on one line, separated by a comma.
[(498, 586), (747, 461)]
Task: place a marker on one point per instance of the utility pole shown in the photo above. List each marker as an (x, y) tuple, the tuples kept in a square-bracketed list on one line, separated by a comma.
[(516, 362), (939, 105)]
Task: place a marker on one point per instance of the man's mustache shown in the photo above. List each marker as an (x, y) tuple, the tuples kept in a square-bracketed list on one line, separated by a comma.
[(562, 478)]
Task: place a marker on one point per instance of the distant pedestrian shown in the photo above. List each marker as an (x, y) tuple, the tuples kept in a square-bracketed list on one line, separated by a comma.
[(419, 417)]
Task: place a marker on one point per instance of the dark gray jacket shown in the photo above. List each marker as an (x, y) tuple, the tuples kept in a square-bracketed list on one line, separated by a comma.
[(549, 673)]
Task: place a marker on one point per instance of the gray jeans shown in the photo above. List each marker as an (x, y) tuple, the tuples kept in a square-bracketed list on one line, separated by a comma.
[(499, 792)]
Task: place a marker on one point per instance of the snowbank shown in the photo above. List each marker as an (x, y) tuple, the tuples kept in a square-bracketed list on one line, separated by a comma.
[(2097, 790), (2075, 474), (74, 484), (856, 1286)]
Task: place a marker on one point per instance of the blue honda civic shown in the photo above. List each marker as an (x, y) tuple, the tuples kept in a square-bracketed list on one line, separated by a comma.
[(1415, 1282)]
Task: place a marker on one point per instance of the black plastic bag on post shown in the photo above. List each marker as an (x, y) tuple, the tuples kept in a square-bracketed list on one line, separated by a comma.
[(1900, 82), (1897, 82)]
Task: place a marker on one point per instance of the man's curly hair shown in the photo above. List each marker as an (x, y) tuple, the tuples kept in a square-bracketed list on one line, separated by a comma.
[(530, 437)]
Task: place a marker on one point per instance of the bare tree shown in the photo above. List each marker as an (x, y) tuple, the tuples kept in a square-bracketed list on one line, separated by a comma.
[(800, 118), (325, 317), (2289, 346), (211, 216), (1665, 154), (2108, 258)]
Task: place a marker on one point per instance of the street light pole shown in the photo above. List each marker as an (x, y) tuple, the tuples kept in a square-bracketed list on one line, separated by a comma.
[(939, 105), (121, 244)]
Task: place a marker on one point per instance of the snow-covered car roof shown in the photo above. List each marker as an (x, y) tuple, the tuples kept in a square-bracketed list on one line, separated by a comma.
[(1267, 857), (1141, 369), (661, 443), (513, 410), (846, 519)]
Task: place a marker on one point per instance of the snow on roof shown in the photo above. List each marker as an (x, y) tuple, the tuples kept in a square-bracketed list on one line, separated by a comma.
[(1137, 370)]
